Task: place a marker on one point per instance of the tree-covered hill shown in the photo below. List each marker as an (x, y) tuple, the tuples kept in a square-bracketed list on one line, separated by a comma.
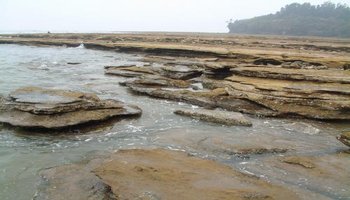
[(328, 20)]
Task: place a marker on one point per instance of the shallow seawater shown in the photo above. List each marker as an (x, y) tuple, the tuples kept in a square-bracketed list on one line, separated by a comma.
[(23, 153)]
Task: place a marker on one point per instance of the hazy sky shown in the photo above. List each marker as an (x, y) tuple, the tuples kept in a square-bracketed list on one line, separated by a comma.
[(133, 15)]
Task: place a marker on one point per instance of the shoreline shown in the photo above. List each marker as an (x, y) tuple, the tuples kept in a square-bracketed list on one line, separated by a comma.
[(304, 77), (270, 155)]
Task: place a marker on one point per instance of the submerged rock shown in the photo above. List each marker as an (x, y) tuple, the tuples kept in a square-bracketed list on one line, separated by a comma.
[(297, 160), (73, 63), (72, 182), (34, 107), (322, 176), (216, 116)]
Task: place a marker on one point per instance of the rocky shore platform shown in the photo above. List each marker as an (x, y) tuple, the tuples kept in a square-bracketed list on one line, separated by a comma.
[(262, 76), (230, 80)]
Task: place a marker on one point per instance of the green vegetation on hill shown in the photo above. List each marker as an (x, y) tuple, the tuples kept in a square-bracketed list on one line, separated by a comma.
[(328, 19)]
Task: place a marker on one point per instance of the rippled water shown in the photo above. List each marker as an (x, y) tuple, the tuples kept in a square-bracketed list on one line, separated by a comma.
[(23, 154)]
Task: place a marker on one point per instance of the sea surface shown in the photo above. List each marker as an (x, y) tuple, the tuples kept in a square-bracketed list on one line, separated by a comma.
[(24, 154)]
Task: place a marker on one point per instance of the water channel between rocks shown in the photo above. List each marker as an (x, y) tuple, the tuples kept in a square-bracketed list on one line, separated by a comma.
[(23, 154)]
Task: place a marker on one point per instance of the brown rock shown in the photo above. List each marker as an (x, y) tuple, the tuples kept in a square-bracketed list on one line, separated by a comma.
[(301, 161), (208, 99), (216, 116), (163, 174), (33, 107), (304, 98), (328, 76), (156, 81)]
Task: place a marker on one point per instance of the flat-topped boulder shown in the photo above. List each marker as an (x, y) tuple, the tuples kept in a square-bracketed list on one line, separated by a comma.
[(216, 116), (33, 107)]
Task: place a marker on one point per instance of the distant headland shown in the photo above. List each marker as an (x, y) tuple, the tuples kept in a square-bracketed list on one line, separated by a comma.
[(326, 20)]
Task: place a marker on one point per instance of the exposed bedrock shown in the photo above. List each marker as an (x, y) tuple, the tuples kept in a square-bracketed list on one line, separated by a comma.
[(163, 174), (263, 76), (154, 174), (271, 88), (207, 98), (303, 98), (262, 97), (33, 107)]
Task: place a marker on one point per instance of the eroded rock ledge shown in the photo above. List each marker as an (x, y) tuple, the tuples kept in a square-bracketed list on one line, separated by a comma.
[(39, 108), (317, 94)]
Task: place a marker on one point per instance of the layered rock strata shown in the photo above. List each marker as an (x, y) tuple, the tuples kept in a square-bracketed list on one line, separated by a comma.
[(303, 77), (281, 92), (33, 107)]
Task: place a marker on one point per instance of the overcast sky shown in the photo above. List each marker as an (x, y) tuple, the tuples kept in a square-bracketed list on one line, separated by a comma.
[(133, 15)]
